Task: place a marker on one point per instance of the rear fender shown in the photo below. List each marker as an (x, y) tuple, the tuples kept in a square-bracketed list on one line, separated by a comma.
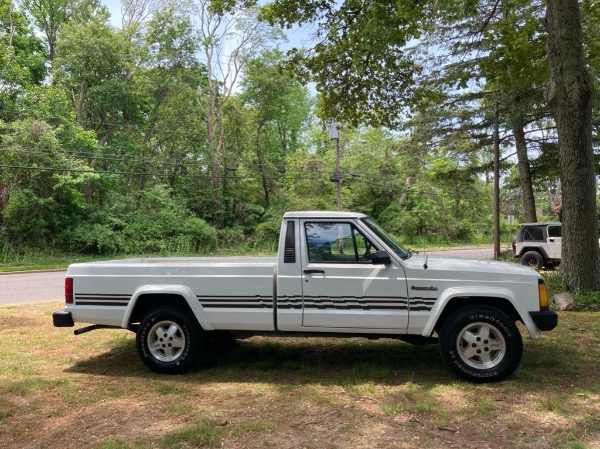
[(537, 249), (185, 292)]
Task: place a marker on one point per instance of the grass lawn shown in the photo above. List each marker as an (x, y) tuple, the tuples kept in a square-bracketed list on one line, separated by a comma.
[(91, 391)]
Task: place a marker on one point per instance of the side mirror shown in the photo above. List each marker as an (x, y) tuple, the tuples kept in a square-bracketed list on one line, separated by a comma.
[(381, 258)]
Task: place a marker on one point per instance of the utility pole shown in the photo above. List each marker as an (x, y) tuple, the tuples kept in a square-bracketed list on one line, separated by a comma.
[(334, 134)]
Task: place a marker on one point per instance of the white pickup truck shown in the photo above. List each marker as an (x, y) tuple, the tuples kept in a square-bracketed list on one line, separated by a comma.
[(337, 274)]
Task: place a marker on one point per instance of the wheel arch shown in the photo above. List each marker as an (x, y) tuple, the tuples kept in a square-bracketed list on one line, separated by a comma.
[(537, 249), (499, 298), (149, 298)]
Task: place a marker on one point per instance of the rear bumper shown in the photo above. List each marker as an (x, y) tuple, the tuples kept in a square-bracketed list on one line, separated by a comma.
[(545, 319), (62, 319)]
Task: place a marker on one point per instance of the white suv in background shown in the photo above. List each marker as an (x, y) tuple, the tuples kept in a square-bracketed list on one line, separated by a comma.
[(539, 244)]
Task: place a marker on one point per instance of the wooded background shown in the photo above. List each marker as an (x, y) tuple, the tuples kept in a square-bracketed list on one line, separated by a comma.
[(188, 128)]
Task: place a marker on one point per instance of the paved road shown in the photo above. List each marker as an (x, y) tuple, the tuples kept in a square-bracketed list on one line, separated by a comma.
[(22, 288), (478, 253), (49, 286)]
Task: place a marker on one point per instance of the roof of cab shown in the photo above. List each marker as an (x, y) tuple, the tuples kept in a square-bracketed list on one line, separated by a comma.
[(323, 214), (543, 223)]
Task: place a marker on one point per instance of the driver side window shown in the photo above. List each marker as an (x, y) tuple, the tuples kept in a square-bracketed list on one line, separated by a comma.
[(337, 243)]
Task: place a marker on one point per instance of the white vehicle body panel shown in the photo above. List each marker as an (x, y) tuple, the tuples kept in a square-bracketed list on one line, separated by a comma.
[(266, 294)]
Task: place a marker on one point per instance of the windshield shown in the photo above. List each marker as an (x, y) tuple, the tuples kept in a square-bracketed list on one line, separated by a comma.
[(389, 241)]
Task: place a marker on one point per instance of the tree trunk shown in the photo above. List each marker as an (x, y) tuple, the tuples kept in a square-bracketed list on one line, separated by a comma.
[(79, 104), (518, 127), (4, 195), (569, 93), (523, 163), (262, 164), (211, 143), (89, 185)]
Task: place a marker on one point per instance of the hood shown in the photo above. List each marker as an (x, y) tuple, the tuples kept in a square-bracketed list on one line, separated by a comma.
[(441, 267)]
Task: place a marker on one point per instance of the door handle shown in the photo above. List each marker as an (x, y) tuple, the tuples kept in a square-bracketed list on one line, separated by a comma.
[(314, 271)]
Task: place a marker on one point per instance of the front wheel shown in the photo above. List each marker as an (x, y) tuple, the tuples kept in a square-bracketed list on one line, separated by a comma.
[(481, 344), (168, 341)]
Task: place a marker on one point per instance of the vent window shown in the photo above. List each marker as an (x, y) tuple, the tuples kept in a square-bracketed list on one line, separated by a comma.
[(289, 255)]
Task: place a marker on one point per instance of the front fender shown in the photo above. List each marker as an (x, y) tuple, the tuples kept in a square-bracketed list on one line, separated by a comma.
[(185, 292), (482, 292)]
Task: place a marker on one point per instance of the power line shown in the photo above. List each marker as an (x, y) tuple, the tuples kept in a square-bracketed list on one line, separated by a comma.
[(152, 160), (133, 173)]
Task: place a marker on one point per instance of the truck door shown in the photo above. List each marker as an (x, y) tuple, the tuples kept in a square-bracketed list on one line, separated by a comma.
[(341, 287), (554, 241)]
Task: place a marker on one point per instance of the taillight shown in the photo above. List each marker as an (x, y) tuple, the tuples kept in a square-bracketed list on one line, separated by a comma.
[(69, 290), (543, 294)]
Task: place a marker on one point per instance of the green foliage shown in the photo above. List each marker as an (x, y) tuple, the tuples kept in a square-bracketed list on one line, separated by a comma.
[(22, 59), (109, 152), (399, 221), (30, 219), (230, 237), (266, 235), (93, 238), (156, 223), (359, 63)]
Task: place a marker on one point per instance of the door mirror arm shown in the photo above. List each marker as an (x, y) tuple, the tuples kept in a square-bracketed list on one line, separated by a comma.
[(381, 258)]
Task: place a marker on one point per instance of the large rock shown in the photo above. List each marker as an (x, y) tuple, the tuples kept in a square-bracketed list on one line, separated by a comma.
[(563, 301)]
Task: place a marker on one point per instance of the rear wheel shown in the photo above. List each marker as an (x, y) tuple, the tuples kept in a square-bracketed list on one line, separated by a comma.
[(481, 344), (168, 341), (532, 259)]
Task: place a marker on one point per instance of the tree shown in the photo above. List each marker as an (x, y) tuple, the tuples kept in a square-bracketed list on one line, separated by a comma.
[(51, 15), (358, 61), (38, 199), (172, 135), (356, 34), (569, 94), (230, 35), (494, 58), (22, 59), (281, 108), (93, 65)]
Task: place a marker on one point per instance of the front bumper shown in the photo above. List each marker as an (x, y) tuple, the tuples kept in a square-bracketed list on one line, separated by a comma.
[(545, 319), (62, 319)]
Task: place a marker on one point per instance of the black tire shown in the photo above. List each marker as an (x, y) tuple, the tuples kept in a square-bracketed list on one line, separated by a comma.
[(533, 259), (481, 344), (168, 341)]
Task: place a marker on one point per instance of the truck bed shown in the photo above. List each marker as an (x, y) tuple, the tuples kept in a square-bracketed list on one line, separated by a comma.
[(223, 286)]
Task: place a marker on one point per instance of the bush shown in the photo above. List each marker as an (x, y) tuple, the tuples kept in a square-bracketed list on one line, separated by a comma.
[(30, 219), (228, 237), (464, 230), (95, 238), (154, 224), (398, 221), (201, 234), (266, 236)]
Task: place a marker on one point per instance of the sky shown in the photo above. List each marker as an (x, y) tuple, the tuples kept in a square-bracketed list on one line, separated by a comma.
[(114, 6), (297, 37)]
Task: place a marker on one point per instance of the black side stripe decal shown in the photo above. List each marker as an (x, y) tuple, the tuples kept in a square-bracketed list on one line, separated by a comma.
[(250, 302), (99, 299), (283, 302)]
